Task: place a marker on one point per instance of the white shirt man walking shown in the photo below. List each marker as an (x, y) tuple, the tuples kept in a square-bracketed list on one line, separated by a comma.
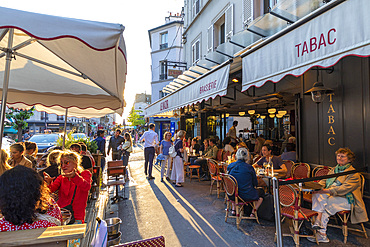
[(150, 138)]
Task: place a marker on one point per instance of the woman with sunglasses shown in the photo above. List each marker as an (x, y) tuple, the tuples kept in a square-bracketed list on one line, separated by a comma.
[(74, 184)]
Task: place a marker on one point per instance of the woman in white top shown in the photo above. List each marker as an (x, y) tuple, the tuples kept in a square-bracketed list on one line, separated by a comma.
[(227, 146), (126, 148), (177, 175)]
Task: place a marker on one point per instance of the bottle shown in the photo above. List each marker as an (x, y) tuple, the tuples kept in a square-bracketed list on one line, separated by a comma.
[(271, 167)]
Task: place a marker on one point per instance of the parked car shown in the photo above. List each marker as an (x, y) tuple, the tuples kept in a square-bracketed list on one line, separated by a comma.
[(44, 141), (79, 135)]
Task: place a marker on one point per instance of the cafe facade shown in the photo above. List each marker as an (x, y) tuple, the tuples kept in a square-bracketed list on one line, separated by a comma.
[(275, 75)]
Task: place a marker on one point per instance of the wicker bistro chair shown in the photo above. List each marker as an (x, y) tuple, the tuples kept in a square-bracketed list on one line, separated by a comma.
[(344, 216), (219, 155), (290, 209), (231, 188), (317, 171), (289, 165), (150, 242), (301, 170), (214, 171)]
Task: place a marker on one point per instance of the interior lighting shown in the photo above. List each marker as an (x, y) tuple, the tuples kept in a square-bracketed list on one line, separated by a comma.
[(235, 80), (282, 112), (251, 112), (272, 115), (279, 115), (263, 117), (318, 92), (271, 110), (227, 115), (241, 113)]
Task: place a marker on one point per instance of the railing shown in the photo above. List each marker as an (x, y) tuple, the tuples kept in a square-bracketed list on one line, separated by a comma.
[(275, 188)]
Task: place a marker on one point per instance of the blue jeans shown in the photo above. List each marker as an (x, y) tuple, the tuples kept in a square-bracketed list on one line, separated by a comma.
[(149, 156)]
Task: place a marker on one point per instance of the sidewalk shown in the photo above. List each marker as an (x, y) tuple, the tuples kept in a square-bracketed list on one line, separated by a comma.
[(189, 216)]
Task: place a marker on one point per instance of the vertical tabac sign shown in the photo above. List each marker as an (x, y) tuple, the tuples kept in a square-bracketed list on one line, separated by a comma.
[(331, 120)]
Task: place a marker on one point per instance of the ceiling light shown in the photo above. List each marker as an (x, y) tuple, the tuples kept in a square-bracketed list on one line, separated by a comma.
[(251, 112), (279, 115), (271, 110), (282, 112), (227, 115), (263, 117), (235, 80), (272, 115), (241, 113)]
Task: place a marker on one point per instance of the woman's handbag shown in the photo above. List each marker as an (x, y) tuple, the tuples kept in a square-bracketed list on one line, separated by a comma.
[(70, 209)]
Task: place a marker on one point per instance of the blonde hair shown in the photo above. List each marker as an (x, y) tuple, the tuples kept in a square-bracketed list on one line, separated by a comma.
[(181, 134), (73, 156), (53, 157), (4, 166)]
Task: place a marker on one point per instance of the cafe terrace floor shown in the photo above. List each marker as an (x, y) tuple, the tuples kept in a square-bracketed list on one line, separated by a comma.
[(190, 216)]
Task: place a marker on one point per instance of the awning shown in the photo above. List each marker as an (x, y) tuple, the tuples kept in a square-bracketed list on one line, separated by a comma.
[(340, 31), (209, 85), (63, 62)]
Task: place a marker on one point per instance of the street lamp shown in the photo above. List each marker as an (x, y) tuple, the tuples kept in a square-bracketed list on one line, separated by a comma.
[(318, 92)]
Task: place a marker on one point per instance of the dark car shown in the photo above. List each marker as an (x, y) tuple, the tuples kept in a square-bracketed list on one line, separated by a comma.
[(44, 141)]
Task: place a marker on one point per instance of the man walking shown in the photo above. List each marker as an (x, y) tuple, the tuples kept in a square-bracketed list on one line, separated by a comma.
[(114, 142), (151, 139), (232, 134), (100, 141)]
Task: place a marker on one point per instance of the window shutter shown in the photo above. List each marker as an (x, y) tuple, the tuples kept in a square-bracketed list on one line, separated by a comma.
[(247, 12), (210, 39), (229, 21)]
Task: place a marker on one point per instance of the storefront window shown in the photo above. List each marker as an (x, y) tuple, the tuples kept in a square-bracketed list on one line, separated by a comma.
[(213, 126), (189, 127)]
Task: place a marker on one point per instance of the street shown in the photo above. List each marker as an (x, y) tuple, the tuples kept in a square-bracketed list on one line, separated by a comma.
[(189, 216)]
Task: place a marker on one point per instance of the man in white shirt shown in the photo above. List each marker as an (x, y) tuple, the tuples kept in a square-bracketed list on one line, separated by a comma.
[(150, 140)]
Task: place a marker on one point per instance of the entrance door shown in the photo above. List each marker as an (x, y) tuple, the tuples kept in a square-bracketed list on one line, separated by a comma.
[(164, 127)]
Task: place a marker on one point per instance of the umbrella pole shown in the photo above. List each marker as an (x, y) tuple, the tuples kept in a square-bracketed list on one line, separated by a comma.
[(65, 128), (9, 54)]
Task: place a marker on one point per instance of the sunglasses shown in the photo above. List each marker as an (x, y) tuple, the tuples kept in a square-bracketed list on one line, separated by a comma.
[(66, 162)]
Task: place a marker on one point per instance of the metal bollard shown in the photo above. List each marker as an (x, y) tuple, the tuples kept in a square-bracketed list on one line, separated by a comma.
[(275, 189)]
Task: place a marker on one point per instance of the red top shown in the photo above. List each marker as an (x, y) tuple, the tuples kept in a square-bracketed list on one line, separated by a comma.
[(66, 188), (53, 211)]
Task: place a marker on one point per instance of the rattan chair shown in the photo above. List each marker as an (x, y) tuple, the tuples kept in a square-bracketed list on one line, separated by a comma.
[(150, 242), (317, 171), (289, 165), (301, 170), (214, 171), (290, 209), (344, 216), (231, 189)]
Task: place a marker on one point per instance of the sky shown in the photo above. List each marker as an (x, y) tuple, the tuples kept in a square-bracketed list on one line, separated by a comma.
[(138, 16)]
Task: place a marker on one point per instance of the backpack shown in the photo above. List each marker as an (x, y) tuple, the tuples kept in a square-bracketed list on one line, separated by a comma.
[(172, 150)]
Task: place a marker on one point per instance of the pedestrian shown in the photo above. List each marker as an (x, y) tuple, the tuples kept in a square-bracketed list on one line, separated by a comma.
[(177, 175), (100, 141), (126, 148), (165, 146), (150, 140), (114, 145)]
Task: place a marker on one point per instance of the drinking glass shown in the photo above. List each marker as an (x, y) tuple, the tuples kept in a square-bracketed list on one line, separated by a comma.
[(200, 152)]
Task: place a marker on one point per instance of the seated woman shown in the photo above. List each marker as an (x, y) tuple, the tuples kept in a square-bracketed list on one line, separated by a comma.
[(340, 193), (28, 204), (246, 177), (227, 146), (74, 180), (31, 152), (195, 147), (52, 165), (290, 153), (17, 155), (276, 161), (4, 166)]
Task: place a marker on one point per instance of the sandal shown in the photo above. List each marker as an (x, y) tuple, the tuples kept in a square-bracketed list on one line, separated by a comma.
[(233, 213), (252, 215)]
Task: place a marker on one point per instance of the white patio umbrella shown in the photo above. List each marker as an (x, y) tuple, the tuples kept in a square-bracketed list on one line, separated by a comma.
[(61, 63)]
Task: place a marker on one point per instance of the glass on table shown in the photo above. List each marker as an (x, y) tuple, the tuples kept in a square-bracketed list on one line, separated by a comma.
[(200, 152)]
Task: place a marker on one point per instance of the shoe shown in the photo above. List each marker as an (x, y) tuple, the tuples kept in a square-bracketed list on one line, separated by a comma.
[(162, 180), (233, 213), (317, 225), (176, 185), (168, 179), (151, 177), (320, 239)]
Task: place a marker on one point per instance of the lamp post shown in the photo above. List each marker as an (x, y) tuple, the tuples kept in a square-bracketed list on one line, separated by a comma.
[(318, 93)]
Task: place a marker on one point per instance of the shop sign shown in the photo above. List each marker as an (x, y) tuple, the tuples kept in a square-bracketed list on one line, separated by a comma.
[(331, 121), (164, 105), (174, 72)]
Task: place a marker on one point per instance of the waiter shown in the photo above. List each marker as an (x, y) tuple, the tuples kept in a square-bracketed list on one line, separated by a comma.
[(150, 138), (232, 134)]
